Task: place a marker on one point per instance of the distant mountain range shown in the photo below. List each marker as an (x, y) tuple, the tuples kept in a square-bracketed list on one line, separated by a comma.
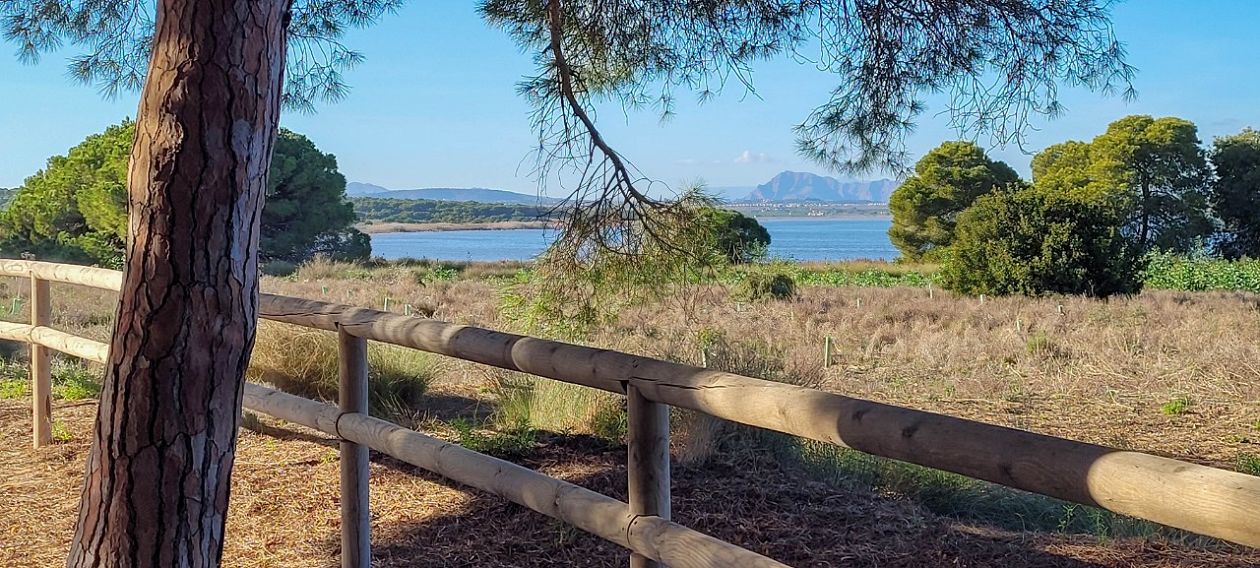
[(802, 186), (480, 194), (786, 187)]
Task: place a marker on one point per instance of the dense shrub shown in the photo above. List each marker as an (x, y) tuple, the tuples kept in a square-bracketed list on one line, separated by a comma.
[(1036, 241), (758, 286), (741, 239)]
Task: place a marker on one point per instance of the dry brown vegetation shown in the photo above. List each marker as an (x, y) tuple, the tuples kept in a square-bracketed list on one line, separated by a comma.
[(1171, 373)]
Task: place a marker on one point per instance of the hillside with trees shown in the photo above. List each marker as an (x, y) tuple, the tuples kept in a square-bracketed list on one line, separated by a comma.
[(382, 210)]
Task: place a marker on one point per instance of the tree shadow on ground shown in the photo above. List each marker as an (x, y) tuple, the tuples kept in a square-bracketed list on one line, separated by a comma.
[(751, 501), (448, 407)]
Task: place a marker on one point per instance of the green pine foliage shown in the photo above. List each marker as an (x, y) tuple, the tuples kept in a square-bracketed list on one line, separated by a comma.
[(1158, 164), (75, 209), (945, 182), (1092, 212)]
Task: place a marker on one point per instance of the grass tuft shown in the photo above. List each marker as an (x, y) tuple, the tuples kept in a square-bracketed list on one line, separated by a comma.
[(1249, 464), (513, 442), (304, 362), (1177, 406)]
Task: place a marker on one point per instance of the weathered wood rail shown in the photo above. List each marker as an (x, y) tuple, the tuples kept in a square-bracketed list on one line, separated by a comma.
[(1192, 497)]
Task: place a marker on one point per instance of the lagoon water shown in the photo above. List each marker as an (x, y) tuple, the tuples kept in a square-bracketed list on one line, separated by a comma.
[(790, 239)]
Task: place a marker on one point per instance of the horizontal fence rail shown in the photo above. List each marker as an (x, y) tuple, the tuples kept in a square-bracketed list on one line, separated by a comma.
[(598, 514), (1192, 497)]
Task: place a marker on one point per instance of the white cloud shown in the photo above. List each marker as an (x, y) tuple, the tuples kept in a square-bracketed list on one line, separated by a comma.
[(750, 157)]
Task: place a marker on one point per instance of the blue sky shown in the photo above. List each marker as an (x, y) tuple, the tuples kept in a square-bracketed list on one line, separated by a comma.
[(435, 103)]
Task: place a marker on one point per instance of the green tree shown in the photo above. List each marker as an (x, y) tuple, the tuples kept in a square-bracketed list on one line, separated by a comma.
[(945, 182), (1236, 193), (306, 212), (739, 238), (1161, 166), (1038, 240), (76, 208), (1066, 162)]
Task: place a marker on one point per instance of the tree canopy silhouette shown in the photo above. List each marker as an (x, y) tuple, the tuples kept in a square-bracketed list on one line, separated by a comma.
[(999, 62)]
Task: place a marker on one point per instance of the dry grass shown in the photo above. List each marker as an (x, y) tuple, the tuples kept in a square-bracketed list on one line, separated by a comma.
[(1086, 369), (303, 361), (1096, 371)]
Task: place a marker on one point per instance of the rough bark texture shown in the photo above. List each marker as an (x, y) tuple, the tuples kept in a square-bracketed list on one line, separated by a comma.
[(156, 491)]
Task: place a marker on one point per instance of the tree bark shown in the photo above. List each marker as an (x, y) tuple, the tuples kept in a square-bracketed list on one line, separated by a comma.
[(157, 482)]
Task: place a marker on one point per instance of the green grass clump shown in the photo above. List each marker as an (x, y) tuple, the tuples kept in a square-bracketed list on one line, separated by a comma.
[(75, 381), (761, 286), (60, 433), (1248, 464), (511, 442), (1039, 344), (14, 379), (14, 388), (554, 406), (1176, 406), (304, 362), (71, 380)]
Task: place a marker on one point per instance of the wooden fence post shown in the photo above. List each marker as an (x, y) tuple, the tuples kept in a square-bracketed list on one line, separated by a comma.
[(352, 396), (41, 366), (648, 462)]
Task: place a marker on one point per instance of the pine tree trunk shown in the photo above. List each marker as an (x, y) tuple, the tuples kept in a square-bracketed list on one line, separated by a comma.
[(156, 490)]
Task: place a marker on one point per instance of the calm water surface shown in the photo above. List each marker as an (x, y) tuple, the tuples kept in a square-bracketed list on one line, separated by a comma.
[(794, 239)]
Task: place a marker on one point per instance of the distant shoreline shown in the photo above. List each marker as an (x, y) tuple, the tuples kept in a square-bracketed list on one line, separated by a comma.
[(380, 228), (852, 217)]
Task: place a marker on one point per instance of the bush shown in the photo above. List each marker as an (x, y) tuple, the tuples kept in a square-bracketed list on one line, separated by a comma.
[(279, 268), (739, 238), (1196, 273), (758, 286), (1036, 241)]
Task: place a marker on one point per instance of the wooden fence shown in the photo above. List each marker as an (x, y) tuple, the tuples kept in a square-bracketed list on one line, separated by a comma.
[(1192, 497)]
